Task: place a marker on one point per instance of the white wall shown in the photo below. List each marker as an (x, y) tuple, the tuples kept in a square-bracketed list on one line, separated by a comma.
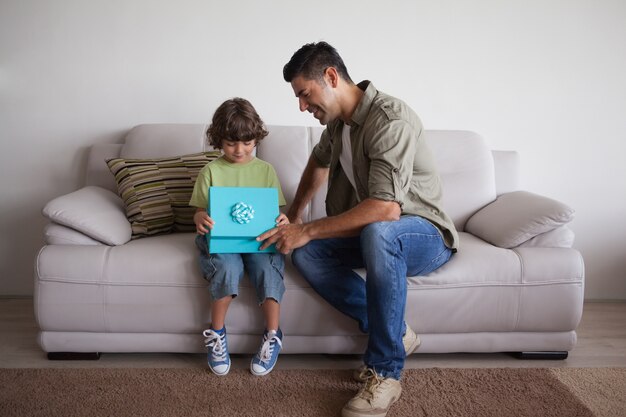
[(544, 78)]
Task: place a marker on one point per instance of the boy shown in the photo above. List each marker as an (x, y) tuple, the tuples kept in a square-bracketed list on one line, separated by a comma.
[(236, 129)]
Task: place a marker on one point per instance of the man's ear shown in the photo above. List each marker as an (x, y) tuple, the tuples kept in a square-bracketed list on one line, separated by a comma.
[(332, 76)]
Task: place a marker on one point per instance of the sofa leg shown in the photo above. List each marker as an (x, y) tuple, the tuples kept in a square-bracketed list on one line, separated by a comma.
[(73, 356), (557, 355)]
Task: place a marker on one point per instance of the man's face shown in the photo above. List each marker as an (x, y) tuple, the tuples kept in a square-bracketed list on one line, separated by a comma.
[(316, 97)]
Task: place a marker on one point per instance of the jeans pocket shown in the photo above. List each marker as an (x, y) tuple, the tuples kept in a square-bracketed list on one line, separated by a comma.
[(207, 267), (277, 261)]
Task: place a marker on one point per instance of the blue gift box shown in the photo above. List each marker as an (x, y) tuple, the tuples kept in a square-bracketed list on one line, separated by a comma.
[(241, 214)]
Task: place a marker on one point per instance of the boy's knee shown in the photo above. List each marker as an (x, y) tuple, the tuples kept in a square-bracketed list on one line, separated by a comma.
[(274, 294), (263, 267)]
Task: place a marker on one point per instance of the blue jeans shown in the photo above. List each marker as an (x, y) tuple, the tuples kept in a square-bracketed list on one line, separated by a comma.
[(224, 271), (389, 251)]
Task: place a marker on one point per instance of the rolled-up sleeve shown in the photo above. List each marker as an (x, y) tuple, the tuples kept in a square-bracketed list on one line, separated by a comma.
[(322, 151), (391, 152)]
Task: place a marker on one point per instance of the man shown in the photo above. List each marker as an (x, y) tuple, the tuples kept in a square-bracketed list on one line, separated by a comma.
[(384, 214)]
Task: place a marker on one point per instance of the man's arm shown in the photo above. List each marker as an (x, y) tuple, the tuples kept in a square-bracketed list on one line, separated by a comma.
[(347, 224), (351, 222), (312, 178)]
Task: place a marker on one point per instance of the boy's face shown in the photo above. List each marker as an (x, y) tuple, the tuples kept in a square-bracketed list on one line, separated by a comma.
[(238, 152)]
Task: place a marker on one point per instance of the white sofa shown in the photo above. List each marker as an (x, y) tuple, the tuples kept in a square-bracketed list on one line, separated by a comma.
[(515, 285)]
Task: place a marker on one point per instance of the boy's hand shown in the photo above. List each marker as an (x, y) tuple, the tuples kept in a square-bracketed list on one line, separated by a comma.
[(203, 222), (282, 219)]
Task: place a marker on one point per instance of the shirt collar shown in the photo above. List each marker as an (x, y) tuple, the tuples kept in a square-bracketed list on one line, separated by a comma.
[(362, 109)]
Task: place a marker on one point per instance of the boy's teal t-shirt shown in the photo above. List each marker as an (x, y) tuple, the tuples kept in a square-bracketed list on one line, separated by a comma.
[(221, 173)]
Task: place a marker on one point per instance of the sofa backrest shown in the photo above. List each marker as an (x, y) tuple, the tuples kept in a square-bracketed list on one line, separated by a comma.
[(466, 167), (144, 141), (465, 163)]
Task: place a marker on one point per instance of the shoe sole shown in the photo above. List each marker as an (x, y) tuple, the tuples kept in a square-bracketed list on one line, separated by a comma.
[(267, 371), (222, 374), (347, 412)]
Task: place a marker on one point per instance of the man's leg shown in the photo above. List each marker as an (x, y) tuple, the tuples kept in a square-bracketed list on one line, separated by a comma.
[(391, 251), (327, 264)]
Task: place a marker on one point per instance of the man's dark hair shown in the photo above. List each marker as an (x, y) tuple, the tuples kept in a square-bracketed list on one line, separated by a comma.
[(311, 62), (235, 120)]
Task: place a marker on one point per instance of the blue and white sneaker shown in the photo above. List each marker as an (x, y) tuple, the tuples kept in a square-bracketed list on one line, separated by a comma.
[(217, 351), (265, 359)]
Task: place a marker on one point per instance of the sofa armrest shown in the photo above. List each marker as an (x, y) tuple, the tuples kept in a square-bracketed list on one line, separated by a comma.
[(94, 211), (516, 217)]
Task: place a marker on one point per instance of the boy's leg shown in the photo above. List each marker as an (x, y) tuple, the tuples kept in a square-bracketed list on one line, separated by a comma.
[(223, 272), (266, 274), (218, 312), (271, 312), (265, 271), (223, 284)]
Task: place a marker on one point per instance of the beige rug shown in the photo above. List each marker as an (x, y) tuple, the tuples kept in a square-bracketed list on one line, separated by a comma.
[(197, 392)]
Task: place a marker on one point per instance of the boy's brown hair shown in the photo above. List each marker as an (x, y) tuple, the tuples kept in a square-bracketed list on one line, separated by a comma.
[(235, 120)]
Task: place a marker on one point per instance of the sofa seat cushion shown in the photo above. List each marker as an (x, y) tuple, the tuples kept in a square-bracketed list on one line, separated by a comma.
[(158, 279), (486, 288), (146, 285)]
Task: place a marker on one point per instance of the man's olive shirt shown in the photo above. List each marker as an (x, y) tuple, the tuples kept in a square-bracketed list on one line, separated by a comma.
[(390, 158)]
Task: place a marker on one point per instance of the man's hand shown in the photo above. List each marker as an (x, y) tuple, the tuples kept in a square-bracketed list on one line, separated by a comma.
[(203, 222), (287, 237), (296, 220), (348, 224)]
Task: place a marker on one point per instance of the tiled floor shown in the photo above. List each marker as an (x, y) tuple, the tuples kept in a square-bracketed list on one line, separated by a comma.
[(601, 343)]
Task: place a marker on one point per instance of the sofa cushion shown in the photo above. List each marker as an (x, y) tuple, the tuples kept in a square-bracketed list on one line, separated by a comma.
[(55, 234), (93, 211), (156, 192), (561, 237), (162, 140), (513, 218)]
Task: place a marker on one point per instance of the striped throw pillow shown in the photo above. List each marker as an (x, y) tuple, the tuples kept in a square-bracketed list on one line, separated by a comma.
[(156, 192)]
